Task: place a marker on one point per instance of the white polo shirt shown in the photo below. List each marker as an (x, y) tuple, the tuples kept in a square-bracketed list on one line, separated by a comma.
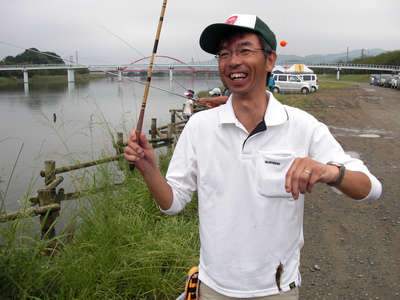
[(248, 223)]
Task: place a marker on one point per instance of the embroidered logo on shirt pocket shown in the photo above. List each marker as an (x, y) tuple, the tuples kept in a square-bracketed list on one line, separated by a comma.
[(271, 168)]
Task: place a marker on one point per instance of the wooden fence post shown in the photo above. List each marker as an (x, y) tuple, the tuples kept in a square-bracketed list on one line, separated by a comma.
[(49, 217), (169, 135), (172, 116), (49, 173), (120, 143)]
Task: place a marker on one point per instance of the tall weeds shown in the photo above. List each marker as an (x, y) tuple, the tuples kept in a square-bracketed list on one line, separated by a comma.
[(116, 245), (125, 249)]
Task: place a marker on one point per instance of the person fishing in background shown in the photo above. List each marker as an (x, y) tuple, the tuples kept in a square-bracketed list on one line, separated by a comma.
[(216, 100), (252, 161), (188, 107)]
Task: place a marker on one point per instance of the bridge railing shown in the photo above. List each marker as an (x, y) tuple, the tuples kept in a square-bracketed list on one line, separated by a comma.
[(344, 66), (199, 67), (42, 66)]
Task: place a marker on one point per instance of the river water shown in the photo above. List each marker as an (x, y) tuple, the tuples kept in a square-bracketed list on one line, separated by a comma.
[(87, 115)]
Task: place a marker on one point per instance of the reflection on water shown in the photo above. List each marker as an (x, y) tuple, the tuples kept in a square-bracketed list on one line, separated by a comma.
[(88, 115)]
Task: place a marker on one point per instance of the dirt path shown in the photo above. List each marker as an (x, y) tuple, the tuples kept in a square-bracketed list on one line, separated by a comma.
[(352, 250)]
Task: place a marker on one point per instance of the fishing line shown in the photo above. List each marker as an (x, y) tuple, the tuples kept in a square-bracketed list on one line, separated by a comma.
[(145, 57), (138, 130), (284, 40)]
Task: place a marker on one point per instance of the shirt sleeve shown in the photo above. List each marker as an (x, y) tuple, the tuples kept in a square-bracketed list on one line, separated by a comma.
[(182, 170), (325, 148)]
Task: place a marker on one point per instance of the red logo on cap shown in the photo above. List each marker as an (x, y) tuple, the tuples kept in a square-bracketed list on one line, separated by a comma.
[(232, 20)]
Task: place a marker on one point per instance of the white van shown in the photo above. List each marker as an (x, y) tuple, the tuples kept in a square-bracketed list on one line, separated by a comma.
[(290, 83), (312, 79)]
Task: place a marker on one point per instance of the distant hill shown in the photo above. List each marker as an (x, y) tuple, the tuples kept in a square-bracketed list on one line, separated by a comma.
[(323, 58), (328, 58)]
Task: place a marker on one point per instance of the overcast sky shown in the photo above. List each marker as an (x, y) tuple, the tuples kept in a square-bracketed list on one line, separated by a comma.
[(84, 26)]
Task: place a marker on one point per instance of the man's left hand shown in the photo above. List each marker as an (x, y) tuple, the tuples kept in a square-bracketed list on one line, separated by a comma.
[(304, 173)]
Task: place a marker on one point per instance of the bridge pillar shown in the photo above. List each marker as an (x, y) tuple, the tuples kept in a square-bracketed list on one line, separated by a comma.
[(119, 74), (26, 88), (171, 73), (337, 73), (71, 75), (25, 76)]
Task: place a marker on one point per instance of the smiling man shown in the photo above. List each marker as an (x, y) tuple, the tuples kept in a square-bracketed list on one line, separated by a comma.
[(252, 162)]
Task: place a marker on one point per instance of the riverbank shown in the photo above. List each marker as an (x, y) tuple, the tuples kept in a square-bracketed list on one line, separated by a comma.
[(53, 78), (125, 247)]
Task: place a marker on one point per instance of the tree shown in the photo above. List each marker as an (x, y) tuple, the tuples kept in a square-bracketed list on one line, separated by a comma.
[(34, 56)]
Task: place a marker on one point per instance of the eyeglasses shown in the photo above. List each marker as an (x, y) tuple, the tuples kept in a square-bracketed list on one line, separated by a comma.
[(240, 52)]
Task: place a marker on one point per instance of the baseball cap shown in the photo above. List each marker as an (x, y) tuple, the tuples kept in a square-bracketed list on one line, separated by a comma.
[(215, 91), (189, 92), (212, 35)]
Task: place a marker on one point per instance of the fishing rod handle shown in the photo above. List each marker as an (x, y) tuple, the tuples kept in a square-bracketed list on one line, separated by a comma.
[(132, 164)]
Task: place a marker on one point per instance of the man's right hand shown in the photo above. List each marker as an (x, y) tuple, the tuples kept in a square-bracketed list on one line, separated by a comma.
[(202, 101), (143, 155), (145, 158)]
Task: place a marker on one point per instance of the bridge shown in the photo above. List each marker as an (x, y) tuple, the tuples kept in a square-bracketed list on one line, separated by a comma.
[(174, 65)]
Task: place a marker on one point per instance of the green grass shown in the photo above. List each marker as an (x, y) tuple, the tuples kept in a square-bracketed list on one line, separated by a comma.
[(364, 78), (126, 248), (117, 244)]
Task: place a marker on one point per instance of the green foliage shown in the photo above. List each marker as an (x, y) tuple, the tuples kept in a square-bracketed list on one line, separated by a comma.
[(129, 250), (391, 58), (34, 56), (24, 269), (124, 247)]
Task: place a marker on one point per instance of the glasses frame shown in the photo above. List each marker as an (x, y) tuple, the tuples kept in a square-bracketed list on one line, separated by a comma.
[(238, 51)]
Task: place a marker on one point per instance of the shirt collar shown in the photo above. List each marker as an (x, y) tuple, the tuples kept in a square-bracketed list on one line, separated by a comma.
[(276, 113)]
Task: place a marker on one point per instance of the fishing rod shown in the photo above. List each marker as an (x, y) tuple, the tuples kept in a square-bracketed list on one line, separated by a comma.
[(146, 90)]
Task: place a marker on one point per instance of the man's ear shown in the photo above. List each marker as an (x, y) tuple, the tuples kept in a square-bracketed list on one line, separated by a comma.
[(271, 59)]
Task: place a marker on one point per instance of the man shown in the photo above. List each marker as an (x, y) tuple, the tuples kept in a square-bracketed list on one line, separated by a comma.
[(216, 100), (252, 161), (271, 83)]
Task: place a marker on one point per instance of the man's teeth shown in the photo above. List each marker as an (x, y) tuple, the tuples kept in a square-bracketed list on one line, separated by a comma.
[(237, 76)]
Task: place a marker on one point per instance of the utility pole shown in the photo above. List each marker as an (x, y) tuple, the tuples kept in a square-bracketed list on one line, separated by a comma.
[(347, 54), (76, 60)]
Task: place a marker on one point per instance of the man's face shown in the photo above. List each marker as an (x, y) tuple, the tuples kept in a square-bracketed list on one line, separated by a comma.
[(243, 75)]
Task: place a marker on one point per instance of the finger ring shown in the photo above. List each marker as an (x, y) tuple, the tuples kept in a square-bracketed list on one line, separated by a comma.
[(308, 172)]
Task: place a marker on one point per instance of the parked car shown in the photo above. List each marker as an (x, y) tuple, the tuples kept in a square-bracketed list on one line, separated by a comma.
[(290, 83), (398, 83), (384, 77), (373, 79), (388, 82), (377, 80), (312, 79), (395, 81)]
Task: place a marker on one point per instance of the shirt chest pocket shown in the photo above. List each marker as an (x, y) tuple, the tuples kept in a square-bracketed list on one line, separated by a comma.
[(271, 168)]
